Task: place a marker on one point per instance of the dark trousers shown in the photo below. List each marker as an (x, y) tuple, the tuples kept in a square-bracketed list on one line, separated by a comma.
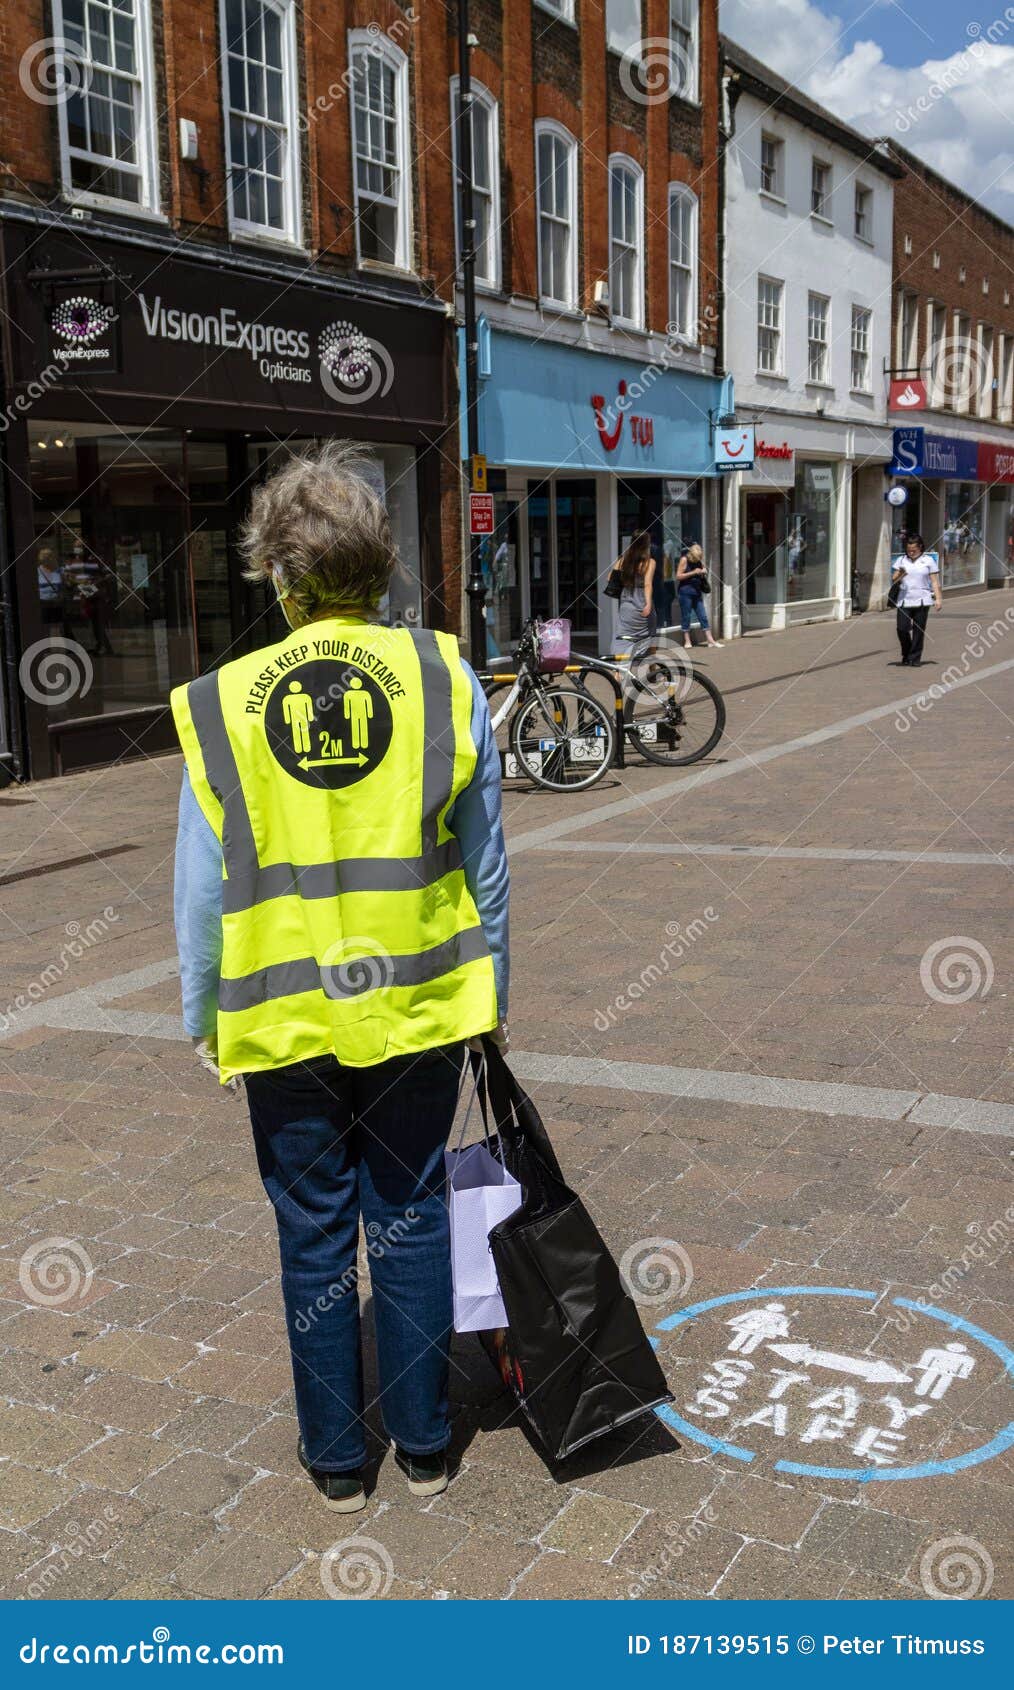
[(332, 1144), (912, 620)]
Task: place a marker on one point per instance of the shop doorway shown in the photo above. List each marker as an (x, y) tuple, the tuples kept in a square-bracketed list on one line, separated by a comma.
[(765, 516), (563, 552)]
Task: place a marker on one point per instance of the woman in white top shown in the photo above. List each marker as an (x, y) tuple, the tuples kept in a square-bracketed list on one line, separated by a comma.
[(919, 574)]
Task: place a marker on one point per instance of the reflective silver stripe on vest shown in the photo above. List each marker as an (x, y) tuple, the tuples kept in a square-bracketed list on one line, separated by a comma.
[(329, 880), (353, 977), (238, 846), (438, 734)]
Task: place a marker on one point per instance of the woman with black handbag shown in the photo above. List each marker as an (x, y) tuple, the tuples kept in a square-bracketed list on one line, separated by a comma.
[(915, 586), (691, 584)]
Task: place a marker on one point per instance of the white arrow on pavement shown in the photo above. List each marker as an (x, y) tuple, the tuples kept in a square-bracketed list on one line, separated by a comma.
[(876, 1372)]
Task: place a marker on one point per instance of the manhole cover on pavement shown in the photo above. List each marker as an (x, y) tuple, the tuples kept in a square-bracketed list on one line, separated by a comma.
[(838, 1383)]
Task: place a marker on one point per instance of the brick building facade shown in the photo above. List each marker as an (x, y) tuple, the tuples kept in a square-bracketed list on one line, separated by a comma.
[(598, 295), (226, 225), (952, 389)]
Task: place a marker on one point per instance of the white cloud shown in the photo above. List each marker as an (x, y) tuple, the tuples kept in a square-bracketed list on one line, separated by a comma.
[(955, 113)]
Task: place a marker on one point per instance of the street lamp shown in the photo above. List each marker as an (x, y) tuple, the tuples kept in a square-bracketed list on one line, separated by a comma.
[(476, 588)]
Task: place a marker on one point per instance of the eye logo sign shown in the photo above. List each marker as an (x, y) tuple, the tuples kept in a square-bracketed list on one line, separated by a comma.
[(327, 724), (837, 1383), (353, 368), (734, 448), (81, 320)]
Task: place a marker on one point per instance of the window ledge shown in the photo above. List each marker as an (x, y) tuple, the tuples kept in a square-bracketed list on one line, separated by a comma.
[(265, 238), (554, 308), (819, 217), (770, 375), (114, 208), (865, 240), (821, 386), (377, 267), (862, 393), (776, 199)]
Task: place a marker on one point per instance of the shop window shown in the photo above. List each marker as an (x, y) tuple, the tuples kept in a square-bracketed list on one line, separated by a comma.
[(485, 181), (556, 192), (106, 123), (684, 29), (683, 264), (818, 332), (770, 294), (111, 562), (962, 548), (809, 540), (862, 358), (626, 242), (262, 154), (380, 143)]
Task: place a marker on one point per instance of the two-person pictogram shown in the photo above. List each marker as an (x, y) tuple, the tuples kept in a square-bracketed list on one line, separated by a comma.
[(357, 708)]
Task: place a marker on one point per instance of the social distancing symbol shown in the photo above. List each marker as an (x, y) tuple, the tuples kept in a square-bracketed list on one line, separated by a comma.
[(327, 724), (838, 1383)]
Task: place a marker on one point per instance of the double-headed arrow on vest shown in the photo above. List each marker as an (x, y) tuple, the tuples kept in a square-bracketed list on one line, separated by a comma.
[(330, 762)]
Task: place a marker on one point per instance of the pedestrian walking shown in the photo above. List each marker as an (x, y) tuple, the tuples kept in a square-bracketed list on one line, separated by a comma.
[(916, 576), (636, 573), (357, 939), (691, 578)]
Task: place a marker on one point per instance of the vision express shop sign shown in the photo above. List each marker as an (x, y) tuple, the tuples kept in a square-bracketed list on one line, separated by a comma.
[(176, 330)]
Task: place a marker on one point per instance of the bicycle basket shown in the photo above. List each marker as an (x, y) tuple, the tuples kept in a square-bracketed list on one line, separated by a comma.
[(554, 645)]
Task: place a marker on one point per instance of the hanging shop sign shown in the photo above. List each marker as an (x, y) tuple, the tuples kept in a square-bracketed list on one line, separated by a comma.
[(734, 448), (907, 394)]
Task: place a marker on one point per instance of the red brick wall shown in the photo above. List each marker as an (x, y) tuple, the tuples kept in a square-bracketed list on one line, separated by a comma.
[(938, 218)]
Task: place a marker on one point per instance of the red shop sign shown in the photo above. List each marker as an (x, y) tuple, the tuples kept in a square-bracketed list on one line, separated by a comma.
[(996, 463)]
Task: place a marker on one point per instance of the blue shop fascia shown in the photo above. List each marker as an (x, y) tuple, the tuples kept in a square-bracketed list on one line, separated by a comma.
[(584, 450)]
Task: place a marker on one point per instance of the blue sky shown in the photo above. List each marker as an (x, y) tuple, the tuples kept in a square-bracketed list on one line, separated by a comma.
[(936, 75), (912, 32)]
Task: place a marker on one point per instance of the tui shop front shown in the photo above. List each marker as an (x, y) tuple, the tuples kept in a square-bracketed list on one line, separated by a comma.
[(586, 450), (147, 391)]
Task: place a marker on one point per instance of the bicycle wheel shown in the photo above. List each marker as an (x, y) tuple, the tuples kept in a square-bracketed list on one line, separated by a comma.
[(563, 738), (672, 714)]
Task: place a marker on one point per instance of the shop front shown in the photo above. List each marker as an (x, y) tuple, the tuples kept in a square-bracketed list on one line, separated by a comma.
[(585, 451), (147, 395), (793, 526), (959, 498)]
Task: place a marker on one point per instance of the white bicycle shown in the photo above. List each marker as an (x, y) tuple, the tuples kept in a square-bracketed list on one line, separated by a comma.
[(553, 731)]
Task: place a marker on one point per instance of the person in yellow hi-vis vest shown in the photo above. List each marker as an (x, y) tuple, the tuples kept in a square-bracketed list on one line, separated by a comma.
[(341, 915)]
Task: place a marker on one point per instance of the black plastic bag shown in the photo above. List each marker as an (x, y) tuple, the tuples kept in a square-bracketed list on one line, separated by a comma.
[(574, 1352)]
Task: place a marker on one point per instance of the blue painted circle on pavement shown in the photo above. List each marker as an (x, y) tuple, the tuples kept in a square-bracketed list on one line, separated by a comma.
[(1004, 1439)]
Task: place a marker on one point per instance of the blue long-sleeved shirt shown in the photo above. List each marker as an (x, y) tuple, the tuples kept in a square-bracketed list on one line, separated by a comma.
[(475, 820)]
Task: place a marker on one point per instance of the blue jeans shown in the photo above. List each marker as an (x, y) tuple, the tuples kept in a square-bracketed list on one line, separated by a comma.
[(691, 604), (333, 1143)]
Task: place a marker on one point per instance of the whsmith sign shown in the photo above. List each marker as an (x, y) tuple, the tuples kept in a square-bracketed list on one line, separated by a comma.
[(183, 333)]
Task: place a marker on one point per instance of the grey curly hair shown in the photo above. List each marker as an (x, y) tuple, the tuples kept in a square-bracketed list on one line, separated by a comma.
[(318, 530)]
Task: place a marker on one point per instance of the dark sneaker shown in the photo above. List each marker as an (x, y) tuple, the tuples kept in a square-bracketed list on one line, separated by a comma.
[(343, 1493), (426, 1474)]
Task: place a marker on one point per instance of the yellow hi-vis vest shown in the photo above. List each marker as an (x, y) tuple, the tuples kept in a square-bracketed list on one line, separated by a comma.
[(326, 766)]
